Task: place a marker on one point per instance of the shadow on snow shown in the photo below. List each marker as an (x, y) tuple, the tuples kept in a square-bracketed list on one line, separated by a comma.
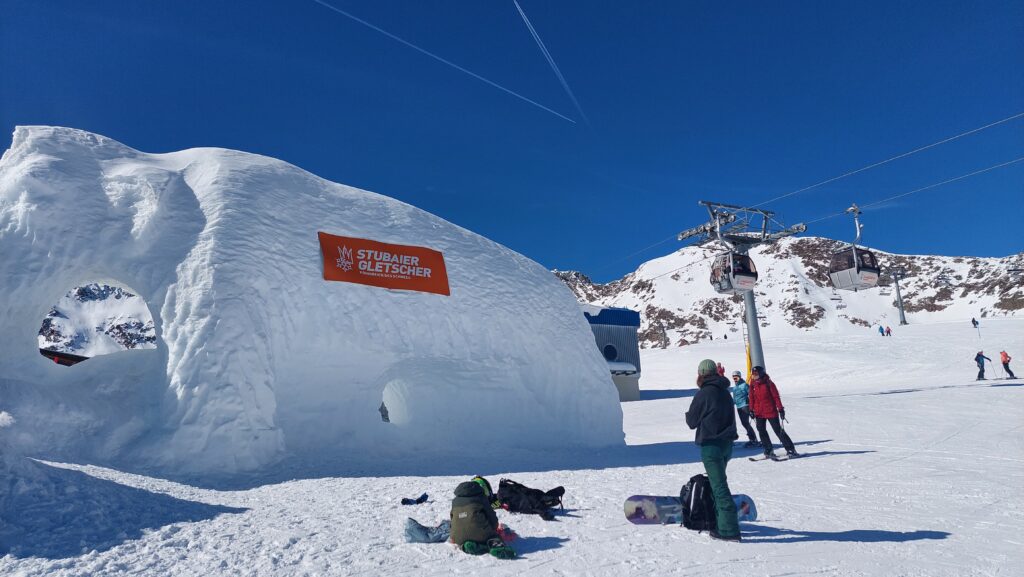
[(526, 545), (57, 513), (659, 394), (763, 534), (918, 390)]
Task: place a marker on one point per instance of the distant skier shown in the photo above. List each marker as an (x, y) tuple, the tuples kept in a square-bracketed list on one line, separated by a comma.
[(980, 358), (974, 322), (881, 330), (1005, 359), (888, 332), (740, 391), (720, 369), (712, 415), (766, 406)]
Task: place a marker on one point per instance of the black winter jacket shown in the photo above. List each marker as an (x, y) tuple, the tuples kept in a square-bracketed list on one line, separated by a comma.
[(711, 411)]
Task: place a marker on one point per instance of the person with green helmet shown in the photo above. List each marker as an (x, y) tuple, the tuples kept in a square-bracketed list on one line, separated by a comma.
[(474, 525), (711, 414)]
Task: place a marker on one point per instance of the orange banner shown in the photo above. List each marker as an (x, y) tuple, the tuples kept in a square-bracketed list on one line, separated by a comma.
[(381, 264)]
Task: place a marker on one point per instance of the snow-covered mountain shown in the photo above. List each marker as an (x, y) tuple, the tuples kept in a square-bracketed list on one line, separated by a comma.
[(678, 306), (97, 319)]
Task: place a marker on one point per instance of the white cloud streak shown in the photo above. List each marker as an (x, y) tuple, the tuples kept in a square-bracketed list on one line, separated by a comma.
[(551, 61), (442, 60)]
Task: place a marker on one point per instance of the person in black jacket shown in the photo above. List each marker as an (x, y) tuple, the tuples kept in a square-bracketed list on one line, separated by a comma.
[(980, 359), (711, 414)]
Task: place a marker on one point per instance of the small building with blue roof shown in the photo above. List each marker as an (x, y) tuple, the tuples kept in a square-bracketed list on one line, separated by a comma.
[(615, 332)]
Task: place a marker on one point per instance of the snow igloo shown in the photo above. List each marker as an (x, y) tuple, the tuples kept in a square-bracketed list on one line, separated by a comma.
[(257, 356)]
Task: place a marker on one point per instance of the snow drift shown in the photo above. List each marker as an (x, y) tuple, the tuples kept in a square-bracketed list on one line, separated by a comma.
[(258, 357)]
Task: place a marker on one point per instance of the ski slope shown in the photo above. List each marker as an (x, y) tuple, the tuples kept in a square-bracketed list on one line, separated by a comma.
[(912, 468)]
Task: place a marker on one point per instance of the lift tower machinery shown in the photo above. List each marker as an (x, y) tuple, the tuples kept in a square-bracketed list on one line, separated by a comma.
[(735, 230)]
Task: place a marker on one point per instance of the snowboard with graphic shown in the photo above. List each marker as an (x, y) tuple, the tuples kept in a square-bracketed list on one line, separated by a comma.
[(655, 510)]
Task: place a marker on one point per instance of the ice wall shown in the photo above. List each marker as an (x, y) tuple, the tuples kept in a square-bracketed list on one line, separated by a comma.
[(257, 356)]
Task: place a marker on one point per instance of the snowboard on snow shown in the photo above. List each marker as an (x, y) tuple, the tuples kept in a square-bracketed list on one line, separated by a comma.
[(655, 510)]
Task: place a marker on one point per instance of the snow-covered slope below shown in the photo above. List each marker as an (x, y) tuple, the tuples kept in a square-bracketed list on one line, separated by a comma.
[(678, 306), (258, 358), (912, 469)]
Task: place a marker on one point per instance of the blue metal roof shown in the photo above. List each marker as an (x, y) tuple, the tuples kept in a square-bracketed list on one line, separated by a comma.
[(616, 317)]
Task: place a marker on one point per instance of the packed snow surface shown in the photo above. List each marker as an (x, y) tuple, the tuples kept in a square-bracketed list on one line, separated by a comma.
[(911, 468), (258, 359)]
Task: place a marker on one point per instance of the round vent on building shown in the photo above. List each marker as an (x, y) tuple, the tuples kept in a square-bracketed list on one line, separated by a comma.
[(610, 352)]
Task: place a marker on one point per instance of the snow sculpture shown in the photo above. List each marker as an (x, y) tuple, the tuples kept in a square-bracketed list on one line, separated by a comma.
[(257, 356)]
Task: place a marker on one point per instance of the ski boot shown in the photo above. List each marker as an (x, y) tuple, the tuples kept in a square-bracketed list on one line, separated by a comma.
[(474, 548), (499, 549), (716, 536)]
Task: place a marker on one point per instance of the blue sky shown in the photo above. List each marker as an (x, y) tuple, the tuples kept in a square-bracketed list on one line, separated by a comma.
[(736, 102)]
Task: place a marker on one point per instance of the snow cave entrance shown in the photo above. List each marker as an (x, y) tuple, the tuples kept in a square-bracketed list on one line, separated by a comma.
[(393, 407), (93, 319)]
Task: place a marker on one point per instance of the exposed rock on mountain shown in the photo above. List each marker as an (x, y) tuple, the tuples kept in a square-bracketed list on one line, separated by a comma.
[(678, 306)]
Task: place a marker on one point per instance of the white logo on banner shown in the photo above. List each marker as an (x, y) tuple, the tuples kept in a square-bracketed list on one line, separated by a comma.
[(345, 260)]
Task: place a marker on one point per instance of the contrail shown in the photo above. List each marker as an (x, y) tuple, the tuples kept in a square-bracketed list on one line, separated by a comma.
[(551, 61), (438, 58)]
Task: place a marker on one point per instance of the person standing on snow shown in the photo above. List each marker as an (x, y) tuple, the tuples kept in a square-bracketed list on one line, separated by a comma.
[(739, 390), (980, 358), (712, 415), (766, 406), (1005, 359), (881, 330), (720, 369), (888, 332), (974, 322)]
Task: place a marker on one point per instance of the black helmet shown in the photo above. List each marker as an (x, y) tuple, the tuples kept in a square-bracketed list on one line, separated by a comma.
[(758, 369)]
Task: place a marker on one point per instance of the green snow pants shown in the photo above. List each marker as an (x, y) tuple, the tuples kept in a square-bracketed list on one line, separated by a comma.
[(716, 455)]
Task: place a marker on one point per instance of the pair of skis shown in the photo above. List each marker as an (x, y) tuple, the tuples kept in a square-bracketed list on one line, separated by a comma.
[(775, 457)]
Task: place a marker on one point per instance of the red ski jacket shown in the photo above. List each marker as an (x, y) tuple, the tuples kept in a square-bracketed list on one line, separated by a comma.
[(764, 398)]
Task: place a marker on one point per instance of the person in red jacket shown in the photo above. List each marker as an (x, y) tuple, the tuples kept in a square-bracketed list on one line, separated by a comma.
[(766, 406), (1005, 359)]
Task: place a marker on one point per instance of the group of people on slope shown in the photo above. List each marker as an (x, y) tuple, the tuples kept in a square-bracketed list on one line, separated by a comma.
[(884, 331), (711, 414), (1004, 358)]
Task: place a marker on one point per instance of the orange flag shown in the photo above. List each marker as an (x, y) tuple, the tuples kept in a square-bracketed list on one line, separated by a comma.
[(393, 266)]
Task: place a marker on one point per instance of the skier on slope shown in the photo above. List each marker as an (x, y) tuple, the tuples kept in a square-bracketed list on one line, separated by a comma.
[(711, 413), (881, 330), (974, 322), (1005, 359), (740, 390), (720, 369), (980, 358), (766, 406), (888, 332)]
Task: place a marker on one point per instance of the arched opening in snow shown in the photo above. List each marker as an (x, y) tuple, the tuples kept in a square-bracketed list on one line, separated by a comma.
[(393, 407), (93, 319)]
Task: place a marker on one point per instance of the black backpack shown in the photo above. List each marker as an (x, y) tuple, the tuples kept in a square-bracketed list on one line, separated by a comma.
[(518, 498), (698, 504)]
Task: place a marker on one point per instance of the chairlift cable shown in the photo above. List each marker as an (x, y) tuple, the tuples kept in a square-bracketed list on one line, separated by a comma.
[(897, 157), (923, 188), (857, 171)]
